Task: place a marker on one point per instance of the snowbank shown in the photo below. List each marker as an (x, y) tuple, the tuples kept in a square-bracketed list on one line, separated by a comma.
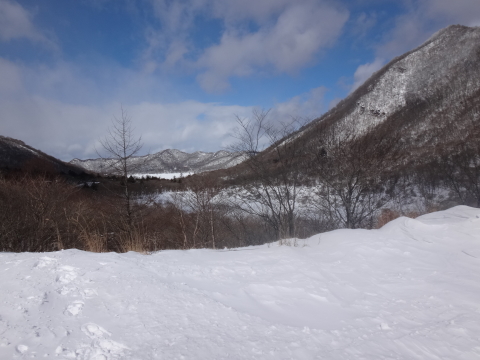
[(410, 290)]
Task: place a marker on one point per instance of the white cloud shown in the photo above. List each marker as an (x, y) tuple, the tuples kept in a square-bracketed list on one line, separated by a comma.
[(235, 12), (291, 43), (187, 125), (169, 42), (422, 19), (269, 36), (408, 33), (16, 23), (67, 131), (32, 111), (306, 106), (465, 12), (363, 23), (11, 80)]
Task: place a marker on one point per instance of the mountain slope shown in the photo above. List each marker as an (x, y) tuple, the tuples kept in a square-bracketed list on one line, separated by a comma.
[(15, 154), (430, 94), (168, 161)]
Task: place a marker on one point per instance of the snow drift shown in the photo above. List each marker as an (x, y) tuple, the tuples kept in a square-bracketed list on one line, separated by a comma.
[(410, 290)]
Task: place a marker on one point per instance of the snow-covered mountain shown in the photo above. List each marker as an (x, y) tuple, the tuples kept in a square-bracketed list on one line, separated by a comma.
[(421, 93), (168, 161)]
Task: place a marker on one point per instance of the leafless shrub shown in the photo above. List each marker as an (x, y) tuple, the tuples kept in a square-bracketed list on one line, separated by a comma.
[(273, 175), (33, 214), (386, 215), (353, 173)]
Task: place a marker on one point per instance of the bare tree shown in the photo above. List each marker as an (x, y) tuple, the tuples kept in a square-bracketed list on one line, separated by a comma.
[(122, 145), (352, 172), (272, 175), (34, 214), (461, 170), (198, 211)]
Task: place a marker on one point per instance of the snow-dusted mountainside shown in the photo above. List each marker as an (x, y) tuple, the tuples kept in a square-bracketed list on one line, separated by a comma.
[(168, 161), (420, 92), (15, 154), (407, 291)]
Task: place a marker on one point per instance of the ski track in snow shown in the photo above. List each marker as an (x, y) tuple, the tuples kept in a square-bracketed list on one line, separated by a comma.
[(410, 290)]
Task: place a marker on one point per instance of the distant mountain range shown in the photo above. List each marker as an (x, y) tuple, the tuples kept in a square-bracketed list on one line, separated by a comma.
[(168, 161), (15, 154)]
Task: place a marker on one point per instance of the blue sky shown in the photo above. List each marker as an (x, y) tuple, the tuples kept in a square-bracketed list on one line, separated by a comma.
[(184, 69)]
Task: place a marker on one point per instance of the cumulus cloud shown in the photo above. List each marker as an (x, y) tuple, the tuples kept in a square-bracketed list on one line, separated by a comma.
[(269, 36), (307, 106), (234, 12), (168, 42), (291, 43), (66, 128), (466, 12), (408, 33), (422, 19), (32, 110), (11, 83), (363, 23), (16, 23)]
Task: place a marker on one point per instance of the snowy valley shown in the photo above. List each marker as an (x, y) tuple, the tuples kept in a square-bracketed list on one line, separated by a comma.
[(409, 290), (355, 235)]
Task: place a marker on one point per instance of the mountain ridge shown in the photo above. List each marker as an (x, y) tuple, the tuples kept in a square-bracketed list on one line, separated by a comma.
[(16, 154), (168, 161), (419, 93)]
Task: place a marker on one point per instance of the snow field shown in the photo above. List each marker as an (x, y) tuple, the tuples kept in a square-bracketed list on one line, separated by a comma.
[(410, 290), (168, 176)]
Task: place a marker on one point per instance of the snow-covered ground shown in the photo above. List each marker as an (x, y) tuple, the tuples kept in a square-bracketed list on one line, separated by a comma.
[(168, 176), (410, 290)]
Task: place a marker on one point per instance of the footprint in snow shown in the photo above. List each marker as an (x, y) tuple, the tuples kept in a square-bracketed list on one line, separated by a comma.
[(67, 274), (4, 342), (65, 353), (74, 308), (22, 349), (101, 347), (89, 293), (94, 331), (384, 326), (110, 351), (44, 261), (65, 290)]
